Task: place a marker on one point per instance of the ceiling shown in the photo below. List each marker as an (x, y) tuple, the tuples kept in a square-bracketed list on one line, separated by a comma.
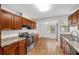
[(32, 12)]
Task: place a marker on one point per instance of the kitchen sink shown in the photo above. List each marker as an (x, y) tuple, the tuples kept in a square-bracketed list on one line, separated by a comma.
[(71, 38)]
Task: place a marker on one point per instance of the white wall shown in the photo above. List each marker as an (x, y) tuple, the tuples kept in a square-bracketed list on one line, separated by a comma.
[(42, 29), (74, 29)]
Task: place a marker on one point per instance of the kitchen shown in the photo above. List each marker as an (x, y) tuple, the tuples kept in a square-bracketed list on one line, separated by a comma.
[(25, 31)]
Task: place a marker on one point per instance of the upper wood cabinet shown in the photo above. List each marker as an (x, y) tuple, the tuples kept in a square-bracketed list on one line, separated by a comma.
[(18, 22), (25, 21), (10, 21), (78, 18), (30, 23), (5, 20), (73, 19)]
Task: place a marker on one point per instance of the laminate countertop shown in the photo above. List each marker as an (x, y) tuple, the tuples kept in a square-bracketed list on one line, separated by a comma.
[(11, 40), (72, 40)]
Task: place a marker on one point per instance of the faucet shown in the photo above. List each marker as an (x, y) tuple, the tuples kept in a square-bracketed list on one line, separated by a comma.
[(75, 32)]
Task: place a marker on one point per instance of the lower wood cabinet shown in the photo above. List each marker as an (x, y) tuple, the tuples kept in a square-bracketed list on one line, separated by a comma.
[(22, 47), (0, 51), (10, 49), (18, 48), (67, 48), (36, 38)]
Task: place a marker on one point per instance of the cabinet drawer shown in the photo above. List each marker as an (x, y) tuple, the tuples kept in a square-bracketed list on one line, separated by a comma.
[(9, 47)]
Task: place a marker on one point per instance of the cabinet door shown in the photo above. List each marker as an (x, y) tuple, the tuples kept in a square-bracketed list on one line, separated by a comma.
[(10, 49), (18, 22), (0, 51), (75, 20), (25, 22), (67, 49), (78, 18), (21, 47), (10, 52), (70, 20), (36, 38), (5, 20), (34, 25), (63, 46), (29, 23)]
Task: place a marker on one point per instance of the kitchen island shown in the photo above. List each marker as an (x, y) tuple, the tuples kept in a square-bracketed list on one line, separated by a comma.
[(69, 44)]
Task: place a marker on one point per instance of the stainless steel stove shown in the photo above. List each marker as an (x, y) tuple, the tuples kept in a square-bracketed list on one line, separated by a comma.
[(29, 39)]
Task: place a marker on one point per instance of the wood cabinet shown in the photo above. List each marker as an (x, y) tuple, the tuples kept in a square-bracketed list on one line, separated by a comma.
[(69, 20), (10, 49), (18, 22), (22, 49), (0, 50), (5, 20), (36, 38), (18, 48), (33, 25), (63, 45), (78, 19), (10, 21), (73, 19), (25, 21), (67, 48)]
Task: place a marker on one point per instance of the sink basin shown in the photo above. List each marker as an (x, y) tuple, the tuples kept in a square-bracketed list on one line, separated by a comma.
[(71, 38)]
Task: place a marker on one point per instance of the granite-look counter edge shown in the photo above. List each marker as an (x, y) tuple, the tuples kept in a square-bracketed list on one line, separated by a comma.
[(9, 41)]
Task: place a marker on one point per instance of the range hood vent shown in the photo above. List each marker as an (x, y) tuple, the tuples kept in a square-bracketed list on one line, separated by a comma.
[(26, 26)]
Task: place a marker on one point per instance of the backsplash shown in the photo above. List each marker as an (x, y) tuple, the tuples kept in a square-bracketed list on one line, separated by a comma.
[(12, 33), (9, 33)]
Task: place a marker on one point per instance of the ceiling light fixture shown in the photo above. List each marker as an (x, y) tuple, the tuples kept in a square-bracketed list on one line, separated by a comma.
[(43, 7)]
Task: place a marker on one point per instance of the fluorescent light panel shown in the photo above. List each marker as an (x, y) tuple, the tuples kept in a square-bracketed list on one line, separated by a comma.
[(43, 7)]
